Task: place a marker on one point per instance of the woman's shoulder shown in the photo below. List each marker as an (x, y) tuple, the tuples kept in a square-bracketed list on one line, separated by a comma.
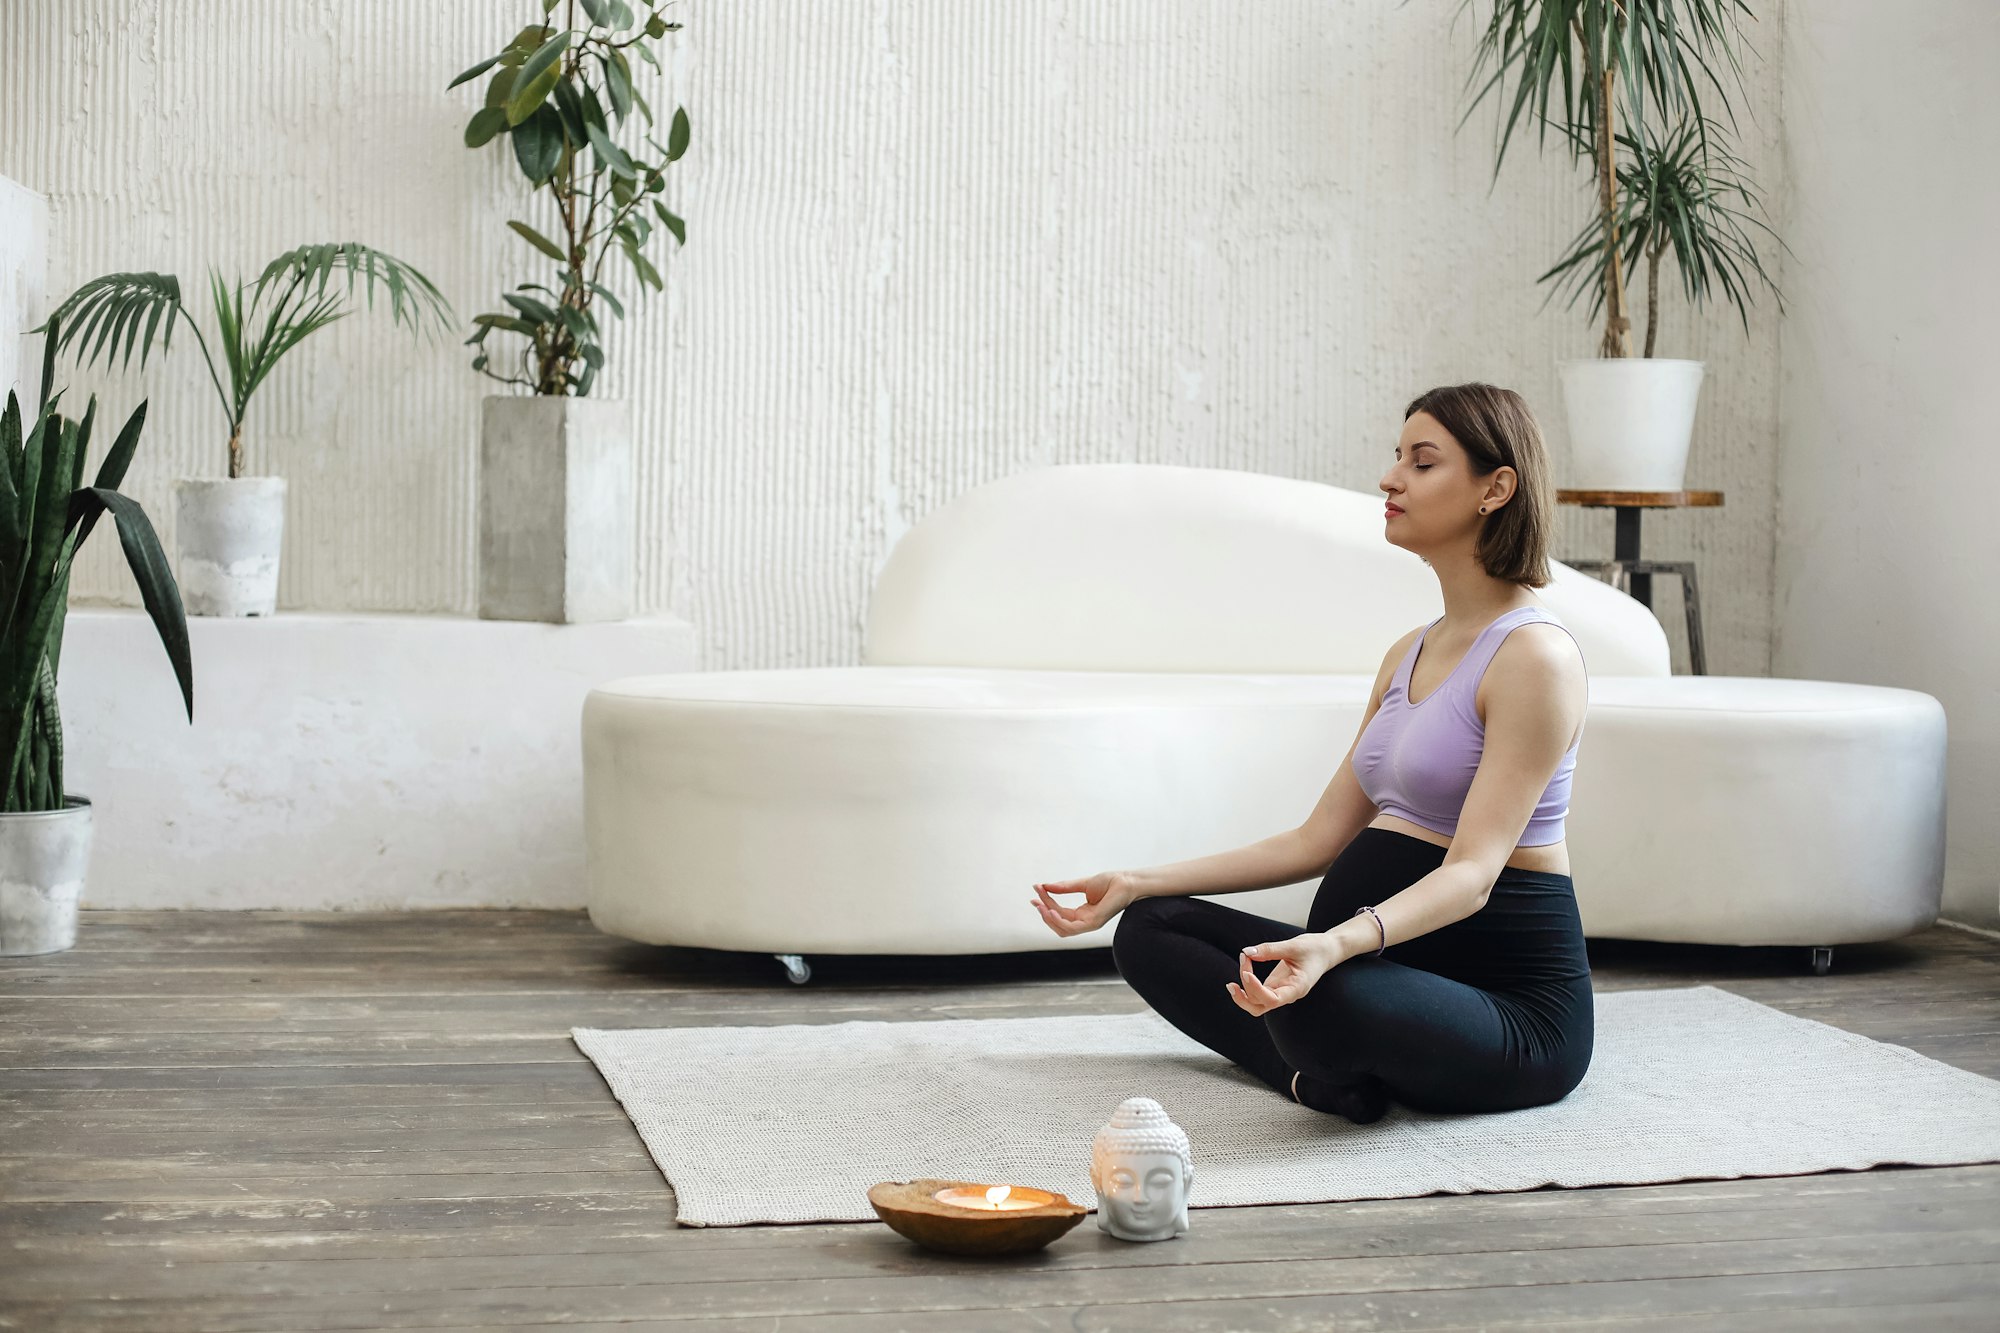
[(1536, 652)]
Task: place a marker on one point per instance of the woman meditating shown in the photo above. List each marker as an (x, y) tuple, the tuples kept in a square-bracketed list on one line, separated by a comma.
[(1443, 963)]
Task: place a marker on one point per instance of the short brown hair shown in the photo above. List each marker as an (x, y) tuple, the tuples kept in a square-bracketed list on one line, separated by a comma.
[(1497, 430)]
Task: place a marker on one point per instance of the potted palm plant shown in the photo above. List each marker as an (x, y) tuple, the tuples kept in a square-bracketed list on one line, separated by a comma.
[(229, 531), (46, 515), (1664, 184), (556, 471)]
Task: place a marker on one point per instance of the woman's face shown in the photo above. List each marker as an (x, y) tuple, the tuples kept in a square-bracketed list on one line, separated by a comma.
[(1433, 496)]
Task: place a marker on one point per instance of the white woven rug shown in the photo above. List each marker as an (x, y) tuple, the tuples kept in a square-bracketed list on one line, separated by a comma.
[(794, 1123)]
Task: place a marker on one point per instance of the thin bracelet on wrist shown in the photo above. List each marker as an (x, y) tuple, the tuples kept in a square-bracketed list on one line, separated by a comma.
[(1382, 931)]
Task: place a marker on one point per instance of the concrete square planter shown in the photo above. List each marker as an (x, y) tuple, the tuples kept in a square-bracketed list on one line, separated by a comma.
[(555, 509)]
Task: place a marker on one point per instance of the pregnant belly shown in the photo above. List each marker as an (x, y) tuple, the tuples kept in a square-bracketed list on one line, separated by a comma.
[(1553, 858)]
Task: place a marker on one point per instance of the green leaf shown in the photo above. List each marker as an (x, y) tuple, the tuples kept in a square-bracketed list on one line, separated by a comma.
[(524, 44), (485, 123), (106, 302), (157, 589), (618, 83), (677, 136), (538, 144), (598, 10), (656, 27), (473, 73), (501, 87), (593, 110), (671, 222), (617, 307), (610, 154), (538, 75), (593, 356), (10, 447), (532, 308), (507, 322), (570, 106), (112, 470), (414, 300), (539, 241), (52, 343), (647, 273)]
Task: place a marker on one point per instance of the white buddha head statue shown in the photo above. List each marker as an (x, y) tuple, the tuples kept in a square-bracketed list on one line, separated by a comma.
[(1141, 1169)]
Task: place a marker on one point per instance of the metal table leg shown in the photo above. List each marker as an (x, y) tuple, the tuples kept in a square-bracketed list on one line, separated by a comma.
[(1627, 575), (1625, 547)]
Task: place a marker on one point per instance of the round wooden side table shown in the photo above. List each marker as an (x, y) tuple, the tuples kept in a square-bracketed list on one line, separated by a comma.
[(1631, 571)]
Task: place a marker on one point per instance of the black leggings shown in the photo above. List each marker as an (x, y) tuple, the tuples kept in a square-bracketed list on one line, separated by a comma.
[(1489, 1013)]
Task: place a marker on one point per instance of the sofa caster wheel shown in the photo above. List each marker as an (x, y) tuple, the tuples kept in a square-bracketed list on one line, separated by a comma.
[(795, 968), (1822, 959)]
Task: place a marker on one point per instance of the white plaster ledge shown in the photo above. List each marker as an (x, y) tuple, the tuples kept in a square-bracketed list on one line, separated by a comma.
[(342, 761)]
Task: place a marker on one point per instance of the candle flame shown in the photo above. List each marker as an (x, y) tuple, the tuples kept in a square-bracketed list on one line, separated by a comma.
[(997, 1193)]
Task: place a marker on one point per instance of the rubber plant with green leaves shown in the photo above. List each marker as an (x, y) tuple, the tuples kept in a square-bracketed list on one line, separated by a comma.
[(562, 94), (47, 513)]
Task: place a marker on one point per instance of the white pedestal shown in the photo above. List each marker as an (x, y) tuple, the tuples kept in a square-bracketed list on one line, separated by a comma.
[(24, 265), (342, 761)]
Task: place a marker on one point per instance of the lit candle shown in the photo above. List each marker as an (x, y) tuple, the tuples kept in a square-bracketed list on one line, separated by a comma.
[(994, 1198)]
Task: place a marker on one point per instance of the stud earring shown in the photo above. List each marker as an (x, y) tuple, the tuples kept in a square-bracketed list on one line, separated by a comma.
[(1482, 509)]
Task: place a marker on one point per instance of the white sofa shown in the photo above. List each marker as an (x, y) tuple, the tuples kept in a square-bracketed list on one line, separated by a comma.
[(1085, 667)]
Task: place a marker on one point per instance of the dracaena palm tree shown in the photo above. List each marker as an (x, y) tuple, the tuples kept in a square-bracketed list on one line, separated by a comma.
[(297, 295), (1619, 71), (1676, 199)]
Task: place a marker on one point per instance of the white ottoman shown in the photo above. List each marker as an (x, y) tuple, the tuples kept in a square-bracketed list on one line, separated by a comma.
[(909, 809), (1081, 668)]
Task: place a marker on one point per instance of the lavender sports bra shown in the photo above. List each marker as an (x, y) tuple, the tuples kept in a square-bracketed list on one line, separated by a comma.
[(1416, 760)]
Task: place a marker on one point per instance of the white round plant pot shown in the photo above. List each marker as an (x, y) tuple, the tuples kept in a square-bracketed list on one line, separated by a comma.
[(43, 858), (1630, 420), (227, 535)]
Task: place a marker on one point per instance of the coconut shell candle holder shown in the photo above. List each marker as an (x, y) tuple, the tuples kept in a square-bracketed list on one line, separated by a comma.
[(966, 1217)]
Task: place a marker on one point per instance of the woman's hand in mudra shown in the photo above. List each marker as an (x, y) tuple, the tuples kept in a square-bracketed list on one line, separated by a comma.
[(1303, 960), (1105, 895)]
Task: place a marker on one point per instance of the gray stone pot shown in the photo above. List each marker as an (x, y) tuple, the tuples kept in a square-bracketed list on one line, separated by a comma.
[(43, 859), (555, 509), (227, 537)]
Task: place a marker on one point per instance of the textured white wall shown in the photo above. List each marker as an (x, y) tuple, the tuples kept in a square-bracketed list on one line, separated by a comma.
[(930, 244), (24, 265), (1887, 546)]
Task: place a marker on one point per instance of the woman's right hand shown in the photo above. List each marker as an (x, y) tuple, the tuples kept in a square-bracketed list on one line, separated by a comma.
[(1105, 895)]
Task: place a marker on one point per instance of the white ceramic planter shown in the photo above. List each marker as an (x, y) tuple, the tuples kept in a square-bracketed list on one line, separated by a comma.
[(555, 509), (228, 536), (44, 857), (1630, 420)]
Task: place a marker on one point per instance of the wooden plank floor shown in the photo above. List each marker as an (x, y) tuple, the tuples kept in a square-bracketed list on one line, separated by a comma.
[(263, 1121)]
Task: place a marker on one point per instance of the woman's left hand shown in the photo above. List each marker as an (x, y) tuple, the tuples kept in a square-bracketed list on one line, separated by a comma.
[(1304, 959)]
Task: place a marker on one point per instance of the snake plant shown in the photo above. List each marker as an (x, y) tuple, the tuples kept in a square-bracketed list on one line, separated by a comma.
[(293, 298), (46, 515)]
